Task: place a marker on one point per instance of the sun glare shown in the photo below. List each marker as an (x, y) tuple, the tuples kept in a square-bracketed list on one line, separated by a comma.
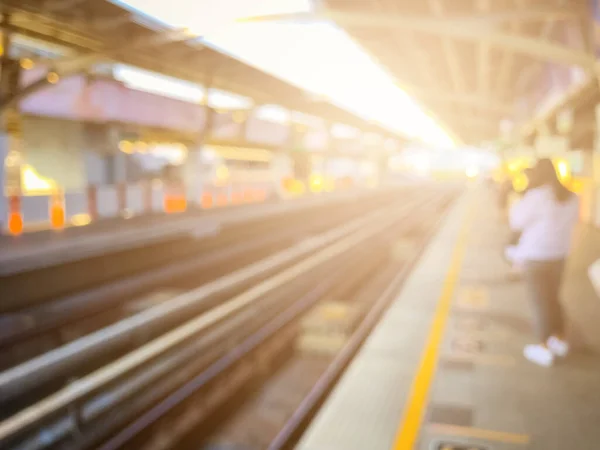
[(318, 57)]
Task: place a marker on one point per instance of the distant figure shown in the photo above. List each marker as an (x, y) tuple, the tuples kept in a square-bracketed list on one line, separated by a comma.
[(545, 219)]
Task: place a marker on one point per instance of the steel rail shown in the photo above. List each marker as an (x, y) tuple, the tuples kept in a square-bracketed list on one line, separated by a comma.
[(36, 371), (149, 419), (49, 316), (339, 240), (293, 426)]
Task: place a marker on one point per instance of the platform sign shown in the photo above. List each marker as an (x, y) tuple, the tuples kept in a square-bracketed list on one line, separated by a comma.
[(474, 297)]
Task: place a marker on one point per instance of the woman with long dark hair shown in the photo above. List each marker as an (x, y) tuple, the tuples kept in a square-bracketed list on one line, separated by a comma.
[(545, 219)]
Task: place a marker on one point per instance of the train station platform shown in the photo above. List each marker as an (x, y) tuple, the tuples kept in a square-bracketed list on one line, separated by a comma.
[(444, 368), (47, 248)]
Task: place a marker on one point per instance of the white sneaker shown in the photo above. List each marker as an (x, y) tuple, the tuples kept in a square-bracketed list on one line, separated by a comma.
[(558, 347), (538, 354)]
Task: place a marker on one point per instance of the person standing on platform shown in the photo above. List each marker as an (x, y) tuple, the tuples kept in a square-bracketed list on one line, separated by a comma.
[(545, 219)]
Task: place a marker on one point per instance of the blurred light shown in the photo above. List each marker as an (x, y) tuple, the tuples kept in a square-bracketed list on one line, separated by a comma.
[(188, 33), (297, 187), (27, 63), (520, 182), (329, 185), (80, 220), (576, 186), (562, 169), (32, 181), (273, 113), (472, 172), (141, 147), (513, 166), (308, 46), (53, 77), (422, 167), (316, 183), (13, 159), (126, 147), (222, 174)]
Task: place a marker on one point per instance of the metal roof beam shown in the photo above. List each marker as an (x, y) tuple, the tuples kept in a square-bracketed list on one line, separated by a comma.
[(540, 13), (458, 79), (483, 57), (60, 5), (465, 99), (506, 66), (86, 60), (460, 29)]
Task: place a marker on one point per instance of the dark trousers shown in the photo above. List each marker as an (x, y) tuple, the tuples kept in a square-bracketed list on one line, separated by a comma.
[(543, 280)]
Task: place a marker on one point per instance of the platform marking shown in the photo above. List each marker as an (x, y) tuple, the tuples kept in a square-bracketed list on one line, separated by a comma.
[(478, 433), (473, 298), (414, 410), (483, 359), (443, 445)]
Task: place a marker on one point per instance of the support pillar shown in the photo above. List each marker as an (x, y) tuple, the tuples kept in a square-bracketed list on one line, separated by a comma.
[(596, 168), (10, 128), (193, 176), (3, 199)]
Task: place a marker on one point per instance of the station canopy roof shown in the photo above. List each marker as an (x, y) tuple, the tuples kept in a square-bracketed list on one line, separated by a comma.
[(100, 31), (473, 64)]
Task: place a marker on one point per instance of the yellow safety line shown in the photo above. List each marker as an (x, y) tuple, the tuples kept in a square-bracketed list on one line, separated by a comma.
[(478, 433), (408, 430)]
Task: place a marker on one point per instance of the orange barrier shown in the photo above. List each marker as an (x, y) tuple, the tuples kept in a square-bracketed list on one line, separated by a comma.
[(57, 211), (174, 200), (206, 201), (15, 218), (256, 195), (248, 195), (175, 204), (222, 199), (237, 197)]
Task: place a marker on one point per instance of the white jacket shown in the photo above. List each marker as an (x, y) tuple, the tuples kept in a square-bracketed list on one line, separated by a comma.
[(546, 225)]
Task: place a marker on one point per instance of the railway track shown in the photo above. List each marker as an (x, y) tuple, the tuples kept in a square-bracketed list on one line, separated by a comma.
[(252, 300), (34, 330), (272, 410), (25, 289)]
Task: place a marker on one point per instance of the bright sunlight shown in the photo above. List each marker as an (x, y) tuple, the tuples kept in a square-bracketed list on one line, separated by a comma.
[(318, 57)]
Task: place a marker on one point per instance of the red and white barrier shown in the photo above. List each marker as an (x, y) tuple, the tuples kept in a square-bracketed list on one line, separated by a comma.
[(58, 210)]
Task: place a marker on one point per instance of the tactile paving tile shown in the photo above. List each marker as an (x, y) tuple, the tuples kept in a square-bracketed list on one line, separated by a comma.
[(456, 365), (452, 444), (451, 415)]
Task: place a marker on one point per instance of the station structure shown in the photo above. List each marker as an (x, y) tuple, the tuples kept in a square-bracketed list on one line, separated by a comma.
[(72, 129)]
